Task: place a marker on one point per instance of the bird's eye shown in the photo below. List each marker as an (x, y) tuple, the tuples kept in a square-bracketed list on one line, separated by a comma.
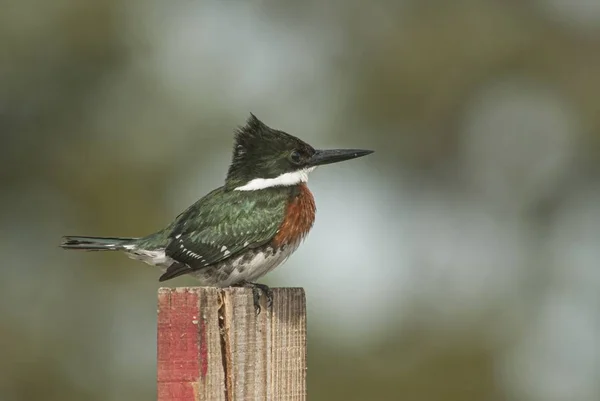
[(295, 157)]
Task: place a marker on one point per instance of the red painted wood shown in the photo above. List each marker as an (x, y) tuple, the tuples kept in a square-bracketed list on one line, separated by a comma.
[(181, 353)]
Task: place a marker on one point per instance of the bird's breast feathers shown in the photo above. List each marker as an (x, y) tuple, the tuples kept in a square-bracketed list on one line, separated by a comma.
[(299, 218)]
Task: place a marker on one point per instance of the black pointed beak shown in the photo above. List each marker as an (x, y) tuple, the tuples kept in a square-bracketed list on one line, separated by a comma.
[(336, 155)]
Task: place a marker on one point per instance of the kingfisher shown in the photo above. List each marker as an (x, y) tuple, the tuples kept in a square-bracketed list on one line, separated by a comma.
[(244, 229)]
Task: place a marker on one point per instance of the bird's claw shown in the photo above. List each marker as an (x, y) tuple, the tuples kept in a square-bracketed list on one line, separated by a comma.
[(256, 290), (256, 299)]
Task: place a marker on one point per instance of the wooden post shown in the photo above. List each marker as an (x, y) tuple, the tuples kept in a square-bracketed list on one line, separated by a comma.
[(212, 346)]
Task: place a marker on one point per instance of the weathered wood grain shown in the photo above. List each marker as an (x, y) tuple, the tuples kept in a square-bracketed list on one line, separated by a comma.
[(212, 346)]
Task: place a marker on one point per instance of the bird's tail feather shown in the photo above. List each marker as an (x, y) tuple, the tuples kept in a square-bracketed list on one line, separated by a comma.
[(96, 243)]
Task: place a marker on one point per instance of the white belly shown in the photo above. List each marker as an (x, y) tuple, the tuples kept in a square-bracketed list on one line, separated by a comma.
[(258, 266), (228, 272)]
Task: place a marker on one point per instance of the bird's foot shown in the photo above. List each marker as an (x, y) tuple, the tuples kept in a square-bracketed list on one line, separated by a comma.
[(256, 290)]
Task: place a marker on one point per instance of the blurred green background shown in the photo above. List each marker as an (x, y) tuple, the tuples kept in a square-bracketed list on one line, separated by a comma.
[(459, 262)]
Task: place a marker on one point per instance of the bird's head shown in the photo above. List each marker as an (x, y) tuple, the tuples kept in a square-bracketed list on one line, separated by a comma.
[(264, 157)]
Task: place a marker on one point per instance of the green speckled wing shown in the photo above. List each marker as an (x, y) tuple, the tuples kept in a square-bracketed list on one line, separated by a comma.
[(222, 225)]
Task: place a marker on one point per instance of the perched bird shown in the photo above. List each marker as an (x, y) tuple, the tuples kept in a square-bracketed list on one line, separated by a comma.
[(244, 229)]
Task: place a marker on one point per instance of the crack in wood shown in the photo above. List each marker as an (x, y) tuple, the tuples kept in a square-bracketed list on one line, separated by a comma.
[(225, 347)]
